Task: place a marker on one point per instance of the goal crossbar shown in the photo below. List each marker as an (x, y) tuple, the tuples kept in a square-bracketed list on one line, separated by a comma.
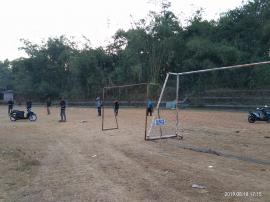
[(129, 85), (220, 68)]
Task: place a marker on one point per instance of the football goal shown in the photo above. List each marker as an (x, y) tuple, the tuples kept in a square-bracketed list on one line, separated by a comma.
[(224, 87), (125, 97)]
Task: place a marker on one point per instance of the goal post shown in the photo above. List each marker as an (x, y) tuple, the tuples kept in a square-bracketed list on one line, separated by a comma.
[(128, 96), (165, 122)]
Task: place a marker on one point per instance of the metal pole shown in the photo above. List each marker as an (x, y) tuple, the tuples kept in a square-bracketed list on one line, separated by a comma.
[(147, 97), (129, 85), (221, 68), (162, 91), (103, 102), (177, 110), (115, 117)]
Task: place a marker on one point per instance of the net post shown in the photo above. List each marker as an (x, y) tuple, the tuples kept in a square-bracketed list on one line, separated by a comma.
[(102, 116), (157, 107), (145, 126), (177, 99), (162, 91), (177, 108)]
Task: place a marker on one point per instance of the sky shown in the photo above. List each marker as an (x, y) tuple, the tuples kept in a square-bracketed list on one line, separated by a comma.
[(98, 20)]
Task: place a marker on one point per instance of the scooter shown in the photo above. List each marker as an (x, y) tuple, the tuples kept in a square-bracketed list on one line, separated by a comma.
[(17, 115), (260, 114)]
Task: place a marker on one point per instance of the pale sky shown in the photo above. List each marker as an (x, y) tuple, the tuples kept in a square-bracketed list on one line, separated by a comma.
[(36, 20)]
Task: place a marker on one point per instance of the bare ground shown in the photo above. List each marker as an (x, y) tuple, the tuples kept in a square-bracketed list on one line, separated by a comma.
[(76, 161)]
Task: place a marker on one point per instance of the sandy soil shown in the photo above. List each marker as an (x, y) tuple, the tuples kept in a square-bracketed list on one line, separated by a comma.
[(76, 161)]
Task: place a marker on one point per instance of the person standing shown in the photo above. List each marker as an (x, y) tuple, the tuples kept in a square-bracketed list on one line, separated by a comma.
[(98, 104), (62, 110), (48, 105), (10, 105), (116, 107), (150, 107), (29, 105)]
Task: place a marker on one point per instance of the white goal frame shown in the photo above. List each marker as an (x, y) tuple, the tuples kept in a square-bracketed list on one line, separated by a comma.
[(147, 136)]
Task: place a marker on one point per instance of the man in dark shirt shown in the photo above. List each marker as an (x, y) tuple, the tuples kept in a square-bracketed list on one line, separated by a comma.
[(116, 107), (48, 105), (10, 105), (62, 110), (99, 105), (149, 109)]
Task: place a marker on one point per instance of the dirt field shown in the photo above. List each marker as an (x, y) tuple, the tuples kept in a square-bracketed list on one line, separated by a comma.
[(76, 161)]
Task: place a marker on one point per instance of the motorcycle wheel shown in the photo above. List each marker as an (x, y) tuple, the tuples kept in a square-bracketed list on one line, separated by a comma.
[(251, 119), (12, 117), (32, 117)]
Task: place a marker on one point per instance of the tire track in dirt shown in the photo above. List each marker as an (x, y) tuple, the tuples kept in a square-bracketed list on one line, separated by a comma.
[(66, 174)]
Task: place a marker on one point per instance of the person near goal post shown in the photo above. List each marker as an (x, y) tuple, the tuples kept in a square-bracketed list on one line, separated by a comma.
[(150, 107), (99, 105), (116, 107)]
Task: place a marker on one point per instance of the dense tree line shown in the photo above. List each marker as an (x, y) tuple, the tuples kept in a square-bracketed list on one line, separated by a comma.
[(145, 53)]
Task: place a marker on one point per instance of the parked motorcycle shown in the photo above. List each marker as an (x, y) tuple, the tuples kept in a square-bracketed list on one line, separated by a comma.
[(260, 114), (17, 115)]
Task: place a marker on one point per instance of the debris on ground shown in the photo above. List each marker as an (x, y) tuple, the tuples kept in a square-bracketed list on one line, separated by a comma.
[(197, 186)]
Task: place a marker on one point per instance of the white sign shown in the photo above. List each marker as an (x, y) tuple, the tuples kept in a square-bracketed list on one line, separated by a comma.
[(159, 122)]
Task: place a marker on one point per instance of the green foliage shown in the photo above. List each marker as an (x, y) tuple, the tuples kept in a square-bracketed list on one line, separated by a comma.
[(57, 67), (5, 75)]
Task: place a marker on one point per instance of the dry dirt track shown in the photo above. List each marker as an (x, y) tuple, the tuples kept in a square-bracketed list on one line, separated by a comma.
[(75, 161)]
